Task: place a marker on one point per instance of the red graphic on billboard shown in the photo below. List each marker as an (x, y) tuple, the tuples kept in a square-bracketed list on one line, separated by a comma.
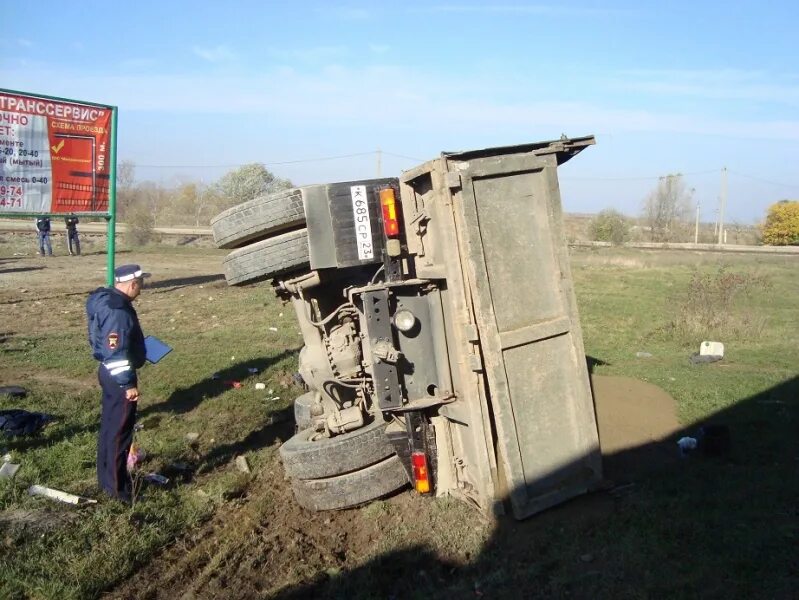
[(54, 155)]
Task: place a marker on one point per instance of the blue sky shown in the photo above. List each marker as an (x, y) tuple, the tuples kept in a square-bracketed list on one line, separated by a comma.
[(202, 87)]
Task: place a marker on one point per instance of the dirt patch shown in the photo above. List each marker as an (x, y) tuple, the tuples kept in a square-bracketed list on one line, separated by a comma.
[(262, 544), (266, 545), (636, 422), (20, 522)]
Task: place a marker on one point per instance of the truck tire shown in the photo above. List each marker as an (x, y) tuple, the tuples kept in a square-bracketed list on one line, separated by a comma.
[(327, 457), (268, 258), (259, 218), (351, 489)]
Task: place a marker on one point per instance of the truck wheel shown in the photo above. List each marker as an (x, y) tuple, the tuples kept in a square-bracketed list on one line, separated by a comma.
[(259, 218), (268, 258), (304, 459), (351, 489)]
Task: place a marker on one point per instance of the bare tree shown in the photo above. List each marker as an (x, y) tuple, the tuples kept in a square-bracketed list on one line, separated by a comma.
[(667, 209)]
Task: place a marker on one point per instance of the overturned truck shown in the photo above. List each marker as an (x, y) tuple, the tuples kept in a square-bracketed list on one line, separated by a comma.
[(442, 342)]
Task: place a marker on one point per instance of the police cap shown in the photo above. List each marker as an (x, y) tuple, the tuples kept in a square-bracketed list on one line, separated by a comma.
[(125, 273)]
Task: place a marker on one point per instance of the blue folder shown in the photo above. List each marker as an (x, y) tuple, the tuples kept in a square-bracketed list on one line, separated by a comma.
[(156, 349)]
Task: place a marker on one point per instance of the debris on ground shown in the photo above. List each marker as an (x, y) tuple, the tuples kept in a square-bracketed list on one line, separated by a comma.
[(233, 384), (273, 329), (13, 391), (215, 376), (709, 352), (643, 355), (135, 456), (46, 492), (260, 386), (253, 370), (711, 349), (242, 465), (8, 470), (156, 478), (687, 445), (698, 359), (710, 440), (16, 422), (192, 436)]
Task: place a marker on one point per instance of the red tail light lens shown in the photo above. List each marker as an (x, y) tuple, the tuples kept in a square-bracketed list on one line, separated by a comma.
[(390, 217), (421, 476)]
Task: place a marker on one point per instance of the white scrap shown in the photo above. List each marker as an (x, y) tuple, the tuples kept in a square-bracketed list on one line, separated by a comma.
[(273, 329), (242, 465), (260, 386), (40, 490), (711, 349), (8, 470)]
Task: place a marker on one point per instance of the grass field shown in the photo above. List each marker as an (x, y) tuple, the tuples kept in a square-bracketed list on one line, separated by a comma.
[(697, 528)]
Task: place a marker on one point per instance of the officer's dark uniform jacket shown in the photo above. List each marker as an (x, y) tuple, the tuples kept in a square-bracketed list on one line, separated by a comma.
[(43, 224), (115, 336), (72, 224)]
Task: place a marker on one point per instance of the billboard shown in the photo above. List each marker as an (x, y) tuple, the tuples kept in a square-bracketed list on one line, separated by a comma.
[(55, 155)]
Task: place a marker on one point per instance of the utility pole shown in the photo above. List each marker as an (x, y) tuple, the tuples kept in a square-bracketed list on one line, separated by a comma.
[(379, 163), (696, 227), (722, 204)]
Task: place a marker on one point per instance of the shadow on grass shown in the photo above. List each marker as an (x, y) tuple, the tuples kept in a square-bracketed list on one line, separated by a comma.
[(46, 437), (20, 269), (187, 399), (279, 426), (181, 282), (703, 526)]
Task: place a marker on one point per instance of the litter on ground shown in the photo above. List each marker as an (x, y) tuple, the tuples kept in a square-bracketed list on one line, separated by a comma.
[(46, 492)]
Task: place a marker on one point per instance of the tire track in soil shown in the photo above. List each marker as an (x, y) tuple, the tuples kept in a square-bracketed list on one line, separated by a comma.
[(257, 548)]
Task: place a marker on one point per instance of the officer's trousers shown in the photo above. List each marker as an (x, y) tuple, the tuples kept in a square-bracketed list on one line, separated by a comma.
[(116, 434)]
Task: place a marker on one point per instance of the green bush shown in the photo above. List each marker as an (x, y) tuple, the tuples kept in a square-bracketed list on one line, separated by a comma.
[(610, 226)]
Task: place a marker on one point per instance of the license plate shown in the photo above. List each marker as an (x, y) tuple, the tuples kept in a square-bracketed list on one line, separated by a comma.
[(363, 225)]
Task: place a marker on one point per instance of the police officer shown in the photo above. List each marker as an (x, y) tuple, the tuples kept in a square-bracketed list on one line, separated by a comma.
[(72, 234), (117, 342), (43, 227)]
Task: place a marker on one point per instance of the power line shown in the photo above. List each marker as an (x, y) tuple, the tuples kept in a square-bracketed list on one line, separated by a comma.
[(642, 178), (284, 162), (760, 179), (403, 156)]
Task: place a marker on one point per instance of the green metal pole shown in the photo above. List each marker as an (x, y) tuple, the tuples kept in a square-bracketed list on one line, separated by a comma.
[(112, 200)]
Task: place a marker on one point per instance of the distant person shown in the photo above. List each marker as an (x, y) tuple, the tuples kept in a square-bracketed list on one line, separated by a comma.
[(117, 341), (43, 227), (72, 234)]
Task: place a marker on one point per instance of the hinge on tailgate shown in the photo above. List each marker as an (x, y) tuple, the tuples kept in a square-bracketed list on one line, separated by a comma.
[(475, 363), (453, 180)]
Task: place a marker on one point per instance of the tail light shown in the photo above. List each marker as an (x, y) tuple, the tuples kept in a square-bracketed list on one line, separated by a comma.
[(388, 202), (421, 476)]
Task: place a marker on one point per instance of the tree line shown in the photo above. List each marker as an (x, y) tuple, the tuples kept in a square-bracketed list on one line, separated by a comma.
[(667, 214), (145, 205)]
